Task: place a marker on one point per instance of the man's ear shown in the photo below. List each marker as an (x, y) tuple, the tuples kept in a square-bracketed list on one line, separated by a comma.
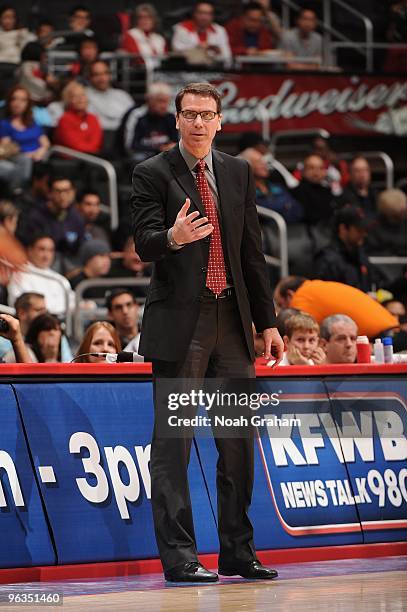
[(219, 127), (176, 121), (323, 343)]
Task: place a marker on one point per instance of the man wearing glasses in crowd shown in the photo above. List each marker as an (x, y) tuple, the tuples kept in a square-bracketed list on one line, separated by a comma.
[(194, 216)]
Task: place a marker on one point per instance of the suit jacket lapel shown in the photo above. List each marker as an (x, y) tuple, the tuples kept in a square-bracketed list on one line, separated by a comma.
[(224, 187), (185, 179)]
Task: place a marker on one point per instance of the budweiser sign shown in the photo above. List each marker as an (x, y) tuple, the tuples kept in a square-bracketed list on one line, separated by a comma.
[(340, 104)]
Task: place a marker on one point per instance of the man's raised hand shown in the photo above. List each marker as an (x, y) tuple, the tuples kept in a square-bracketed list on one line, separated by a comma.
[(188, 227)]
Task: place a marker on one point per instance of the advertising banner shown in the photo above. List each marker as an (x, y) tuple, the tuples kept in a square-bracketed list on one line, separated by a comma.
[(24, 535), (91, 446), (341, 104)]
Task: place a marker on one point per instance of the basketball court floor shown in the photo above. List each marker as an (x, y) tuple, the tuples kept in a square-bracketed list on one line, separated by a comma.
[(378, 584)]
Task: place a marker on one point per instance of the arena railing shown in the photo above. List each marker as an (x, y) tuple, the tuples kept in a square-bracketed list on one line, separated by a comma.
[(280, 262), (124, 281), (286, 134), (102, 163)]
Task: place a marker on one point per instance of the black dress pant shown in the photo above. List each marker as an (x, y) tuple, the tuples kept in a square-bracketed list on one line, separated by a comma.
[(218, 349)]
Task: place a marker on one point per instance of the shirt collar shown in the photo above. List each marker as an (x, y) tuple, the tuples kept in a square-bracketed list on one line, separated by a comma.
[(191, 160)]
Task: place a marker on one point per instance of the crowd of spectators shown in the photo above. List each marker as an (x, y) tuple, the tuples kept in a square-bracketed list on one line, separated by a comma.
[(58, 213)]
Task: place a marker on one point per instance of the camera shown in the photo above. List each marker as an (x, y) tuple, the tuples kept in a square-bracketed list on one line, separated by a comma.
[(4, 326)]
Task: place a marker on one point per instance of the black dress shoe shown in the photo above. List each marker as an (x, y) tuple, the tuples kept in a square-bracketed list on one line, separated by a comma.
[(192, 571), (248, 569)]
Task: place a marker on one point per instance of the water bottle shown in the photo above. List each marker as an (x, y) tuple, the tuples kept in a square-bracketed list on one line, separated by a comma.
[(388, 349), (378, 351)]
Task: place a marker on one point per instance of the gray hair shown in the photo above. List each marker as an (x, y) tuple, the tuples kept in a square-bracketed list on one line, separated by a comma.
[(146, 8), (325, 330), (158, 89)]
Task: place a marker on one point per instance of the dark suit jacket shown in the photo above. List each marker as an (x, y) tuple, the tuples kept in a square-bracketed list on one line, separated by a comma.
[(160, 186)]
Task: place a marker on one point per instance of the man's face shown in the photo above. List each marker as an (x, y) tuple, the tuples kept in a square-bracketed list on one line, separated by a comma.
[(307, 22), (396, 308), (280, 301), (158, 104), (89, 207), (124, 312), (314, 169), (42, 253), (252, 21), (62, 195), (37, 307), (203, 15), (99, 265), (8, 20), (80, 20), (259, 165), (341, 347), (304, 341), (360, 173), (99, 76), (198, 134)]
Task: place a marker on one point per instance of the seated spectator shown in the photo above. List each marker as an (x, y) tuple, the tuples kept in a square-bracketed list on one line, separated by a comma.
[(301, 341), (96, 222), (143, 40), (44, 339), (95, 258), (247, 34), (303, 42), (130, 264), (344, 260), (271, 195), (200, 38), (45, 34), (359, 191), (87, 49), (324, 298), (19, 129), (312, 192), (27, 307), (337, 174), (13, 38), (38, 277), (38, 191), (150, 129), (100, 337), (338, 338), (107, 103), (271, 19), (77, 128), (123, 310), (41, 86), (57, 217), (14, 336), (388, 233), (396, 308)]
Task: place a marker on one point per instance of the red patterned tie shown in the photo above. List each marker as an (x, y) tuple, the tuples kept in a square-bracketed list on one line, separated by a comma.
[(216, 275)]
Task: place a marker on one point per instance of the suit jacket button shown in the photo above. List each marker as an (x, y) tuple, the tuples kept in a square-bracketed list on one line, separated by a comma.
[(207, 239), (204, 269)]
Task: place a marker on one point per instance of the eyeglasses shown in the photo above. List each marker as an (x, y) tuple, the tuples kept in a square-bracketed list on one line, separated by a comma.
[(191, 115)]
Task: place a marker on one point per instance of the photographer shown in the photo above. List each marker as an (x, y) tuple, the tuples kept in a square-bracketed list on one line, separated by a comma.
[(10, 329)]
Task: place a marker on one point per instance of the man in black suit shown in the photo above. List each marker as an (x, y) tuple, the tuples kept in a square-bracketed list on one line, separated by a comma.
[(194, 216)]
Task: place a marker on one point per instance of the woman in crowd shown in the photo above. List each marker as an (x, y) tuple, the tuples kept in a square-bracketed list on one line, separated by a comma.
[(44, 339), (100, 337), (12, 37), (77, 128), (21, 139), (143, 40)]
